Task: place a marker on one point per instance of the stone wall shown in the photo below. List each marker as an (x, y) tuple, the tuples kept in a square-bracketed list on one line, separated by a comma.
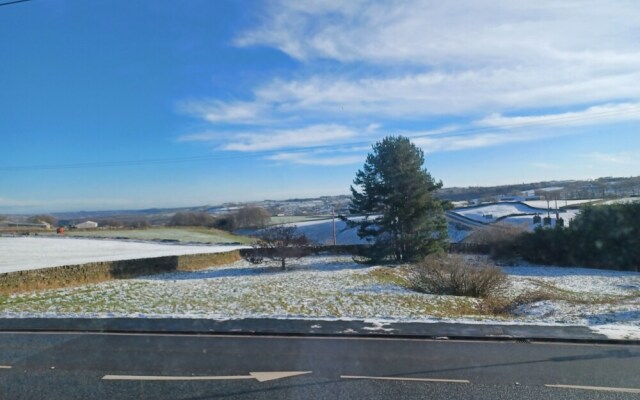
[(74, 275)]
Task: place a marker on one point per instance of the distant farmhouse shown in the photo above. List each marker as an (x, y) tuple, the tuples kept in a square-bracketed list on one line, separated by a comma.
[(86, 225)]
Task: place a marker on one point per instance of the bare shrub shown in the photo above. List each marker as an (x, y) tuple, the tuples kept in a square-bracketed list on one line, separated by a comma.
[(457, 275), (49, 219), (252, 217), (508, 307), (279, 243), (191, 219), (503, 239)]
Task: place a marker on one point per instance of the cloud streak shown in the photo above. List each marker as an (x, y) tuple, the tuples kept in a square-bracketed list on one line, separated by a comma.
[(496, 68), (452, 57), (248, 141), (460, 33), (614, 158), (490, 131), (608, 113), (310, 158)]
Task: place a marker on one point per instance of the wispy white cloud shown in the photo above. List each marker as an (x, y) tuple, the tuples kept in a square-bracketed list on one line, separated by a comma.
[(314, 135), (488, 66), (544, 165), (205, 136), (460, 33), (476, 141), (421, 95), (310, 158), (607, 113), (214, 111), (615, 158), (373, 128), (309, 136), (493, 130), (9, 205), (452, 57)]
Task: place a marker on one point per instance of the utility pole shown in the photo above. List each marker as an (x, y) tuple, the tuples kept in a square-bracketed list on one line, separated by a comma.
[(333, 217)]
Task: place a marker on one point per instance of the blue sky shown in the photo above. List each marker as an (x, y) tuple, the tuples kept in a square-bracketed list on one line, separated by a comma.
[(124, 105)]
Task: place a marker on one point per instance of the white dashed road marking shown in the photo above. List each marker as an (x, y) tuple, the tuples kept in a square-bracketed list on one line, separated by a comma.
[(259, 376), (383, 378), (596, 388)]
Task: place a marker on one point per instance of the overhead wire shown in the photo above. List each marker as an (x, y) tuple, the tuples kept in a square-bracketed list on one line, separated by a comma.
[(8, 3)]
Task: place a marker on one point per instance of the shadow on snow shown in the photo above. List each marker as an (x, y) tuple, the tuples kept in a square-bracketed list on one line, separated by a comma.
[(268, 268)]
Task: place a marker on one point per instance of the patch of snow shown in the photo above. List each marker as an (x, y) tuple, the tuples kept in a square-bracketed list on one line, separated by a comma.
[(335, 288), (625, 200), (491, 212), (581, 280), (512, 212), (526, 221), (561, 203), (377, 326), (321, 232), (618, 331), (25, 253)]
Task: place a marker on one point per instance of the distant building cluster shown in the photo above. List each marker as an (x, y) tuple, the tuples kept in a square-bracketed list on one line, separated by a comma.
[(317, 206)]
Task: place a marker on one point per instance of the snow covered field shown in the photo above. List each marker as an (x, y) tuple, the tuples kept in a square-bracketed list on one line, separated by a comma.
[(321, 232), (24, 253), (561, 203), (527, 220), (625, 200), (492, 212), (337, 288)]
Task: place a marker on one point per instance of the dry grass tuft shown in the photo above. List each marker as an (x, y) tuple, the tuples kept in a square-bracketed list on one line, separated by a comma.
[(503, 306)]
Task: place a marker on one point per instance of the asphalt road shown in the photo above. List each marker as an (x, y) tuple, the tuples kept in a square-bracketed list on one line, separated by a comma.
[(157, 366)]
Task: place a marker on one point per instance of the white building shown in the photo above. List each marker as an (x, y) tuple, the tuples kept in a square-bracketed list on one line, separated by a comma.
[(87, 225)]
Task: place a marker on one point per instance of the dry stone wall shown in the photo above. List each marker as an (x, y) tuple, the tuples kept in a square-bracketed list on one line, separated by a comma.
[(74, 275)]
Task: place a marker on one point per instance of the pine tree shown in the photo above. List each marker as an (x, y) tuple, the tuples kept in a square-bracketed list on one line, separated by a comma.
[(403, 220)]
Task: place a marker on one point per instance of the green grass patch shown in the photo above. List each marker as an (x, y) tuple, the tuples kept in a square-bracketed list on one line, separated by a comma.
[(392, 276), (397, 276)]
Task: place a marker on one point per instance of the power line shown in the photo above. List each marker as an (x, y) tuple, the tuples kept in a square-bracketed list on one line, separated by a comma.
[(8, 3), (561, 121)]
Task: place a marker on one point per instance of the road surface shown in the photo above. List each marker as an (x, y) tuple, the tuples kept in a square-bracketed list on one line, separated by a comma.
[(169, 366)]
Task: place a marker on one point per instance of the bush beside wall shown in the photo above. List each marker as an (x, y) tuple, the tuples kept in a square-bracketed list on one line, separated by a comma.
[(606, 236)]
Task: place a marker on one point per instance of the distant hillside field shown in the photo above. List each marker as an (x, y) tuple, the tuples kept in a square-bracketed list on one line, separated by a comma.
[(183, 235)]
